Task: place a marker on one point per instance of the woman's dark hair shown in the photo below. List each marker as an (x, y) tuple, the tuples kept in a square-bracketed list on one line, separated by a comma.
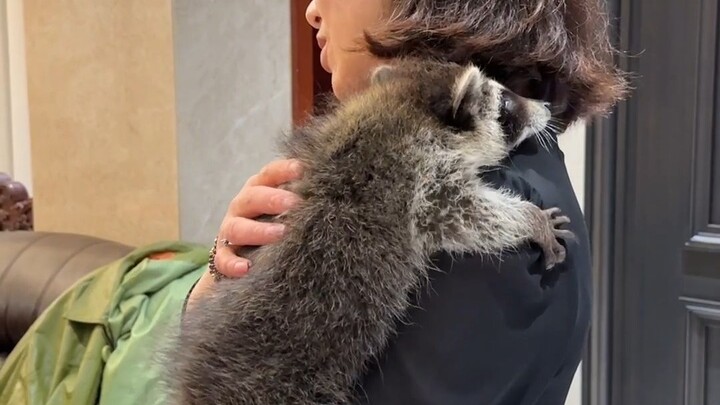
[(555, 50)]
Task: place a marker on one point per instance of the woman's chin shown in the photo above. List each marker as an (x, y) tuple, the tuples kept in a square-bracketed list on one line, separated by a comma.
[(343, 88)]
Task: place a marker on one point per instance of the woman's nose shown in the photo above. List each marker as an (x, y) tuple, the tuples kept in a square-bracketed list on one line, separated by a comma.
[(312, 16)]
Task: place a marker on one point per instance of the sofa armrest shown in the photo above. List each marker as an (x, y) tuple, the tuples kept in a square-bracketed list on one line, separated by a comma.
[(15, 206), (37, 267)]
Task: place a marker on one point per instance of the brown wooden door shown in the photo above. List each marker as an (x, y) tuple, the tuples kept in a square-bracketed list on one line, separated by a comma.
[(310, 81)]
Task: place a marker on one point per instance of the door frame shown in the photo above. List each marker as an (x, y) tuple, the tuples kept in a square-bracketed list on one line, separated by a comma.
[(611, 148), (606, 154), (605, 151), (309, 80)]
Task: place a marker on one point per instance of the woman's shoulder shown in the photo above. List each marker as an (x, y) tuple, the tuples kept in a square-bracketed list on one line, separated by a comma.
[(484, 324), (537, 173)]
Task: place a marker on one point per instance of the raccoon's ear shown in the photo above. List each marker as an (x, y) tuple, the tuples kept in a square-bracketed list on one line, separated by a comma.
[(382, 74), (467, 93)]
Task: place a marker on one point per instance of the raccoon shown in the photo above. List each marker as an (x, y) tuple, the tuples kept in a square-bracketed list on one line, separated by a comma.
[(391, 177)]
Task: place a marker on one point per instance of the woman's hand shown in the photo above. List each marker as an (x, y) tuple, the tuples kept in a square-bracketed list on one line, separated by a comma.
[(259, 196)]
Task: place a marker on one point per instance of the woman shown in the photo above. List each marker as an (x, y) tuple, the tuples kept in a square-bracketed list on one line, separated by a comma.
[(483, 332)]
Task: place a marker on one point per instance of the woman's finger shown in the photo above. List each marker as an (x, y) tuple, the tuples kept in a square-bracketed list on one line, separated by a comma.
[(254, 201), (230, 265), (241, 231), (276, 173)]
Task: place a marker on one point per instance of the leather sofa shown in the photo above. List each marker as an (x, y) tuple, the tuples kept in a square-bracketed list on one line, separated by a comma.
[(37, 267)]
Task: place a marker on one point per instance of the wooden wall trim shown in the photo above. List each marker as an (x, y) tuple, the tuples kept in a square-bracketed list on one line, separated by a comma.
[(302, 61), (309, 80)]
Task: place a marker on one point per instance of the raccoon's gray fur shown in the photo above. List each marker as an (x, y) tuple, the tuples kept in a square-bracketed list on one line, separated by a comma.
[(391, 177)]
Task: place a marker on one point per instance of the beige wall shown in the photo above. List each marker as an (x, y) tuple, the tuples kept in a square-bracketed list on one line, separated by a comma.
[(17, 90), (5, 133), (572, 143), (101, 97)]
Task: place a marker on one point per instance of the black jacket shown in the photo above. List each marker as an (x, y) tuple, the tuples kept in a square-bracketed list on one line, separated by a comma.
[(496, 333)]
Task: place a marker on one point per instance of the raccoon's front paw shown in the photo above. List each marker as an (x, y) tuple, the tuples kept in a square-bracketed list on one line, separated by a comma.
[(549, 234)]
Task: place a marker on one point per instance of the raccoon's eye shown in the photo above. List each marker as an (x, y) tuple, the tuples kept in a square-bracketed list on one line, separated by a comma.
[(507, 104), (509, 114)]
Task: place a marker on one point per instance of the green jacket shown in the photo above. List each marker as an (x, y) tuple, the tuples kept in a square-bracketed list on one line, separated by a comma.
[(97, 343)]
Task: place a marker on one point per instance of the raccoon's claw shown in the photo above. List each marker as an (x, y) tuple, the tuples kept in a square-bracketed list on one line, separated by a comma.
[(553, 251), (564, 234), (552, 212), (561, 220), (554, 254)]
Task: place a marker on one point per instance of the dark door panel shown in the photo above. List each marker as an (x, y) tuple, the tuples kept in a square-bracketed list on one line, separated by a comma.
[(656, 337)]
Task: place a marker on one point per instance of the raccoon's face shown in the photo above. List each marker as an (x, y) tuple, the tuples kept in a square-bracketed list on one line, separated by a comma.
[(471, 110)]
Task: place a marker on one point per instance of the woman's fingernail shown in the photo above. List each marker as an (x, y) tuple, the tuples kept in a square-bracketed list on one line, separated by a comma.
[(296, 168), (241, 267), (276, 230)]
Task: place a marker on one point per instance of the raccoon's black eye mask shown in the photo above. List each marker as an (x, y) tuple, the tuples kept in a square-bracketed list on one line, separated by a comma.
[(513, 115)]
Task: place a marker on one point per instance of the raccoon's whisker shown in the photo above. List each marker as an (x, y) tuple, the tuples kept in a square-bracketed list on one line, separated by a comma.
[(553, 121), (551, 137), (547, 138), (553, 125), (541, 139), (556, 129), (537, 136), (556, 124), (542, 143)]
